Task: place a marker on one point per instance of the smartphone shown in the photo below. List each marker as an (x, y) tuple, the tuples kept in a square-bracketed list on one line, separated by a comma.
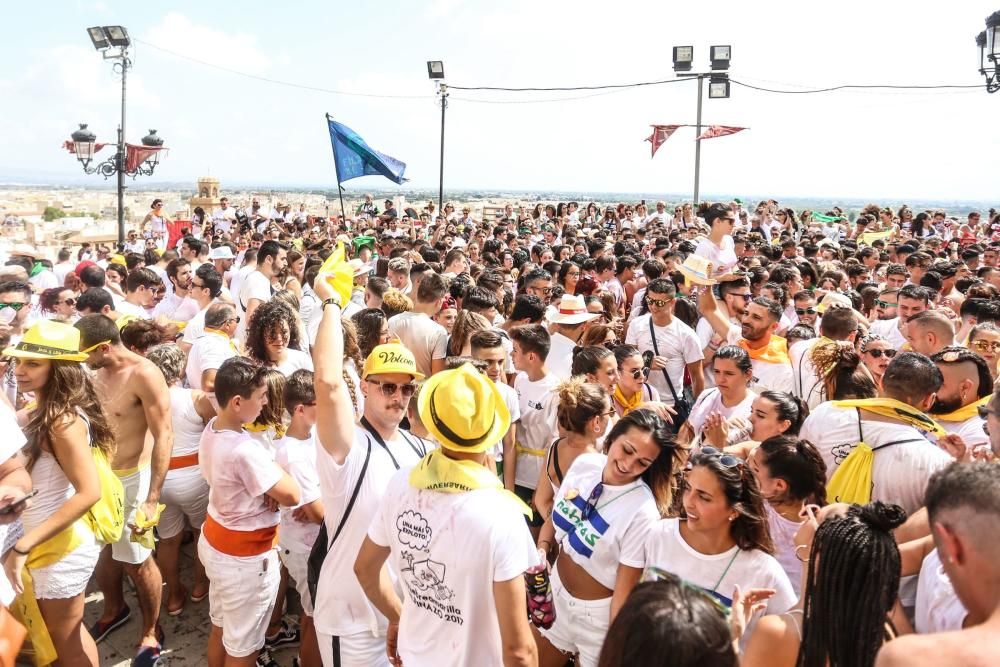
[(19, 503), (647, 359)]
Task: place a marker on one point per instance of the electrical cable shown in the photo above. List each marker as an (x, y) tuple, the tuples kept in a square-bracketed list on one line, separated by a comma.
[(855, 87), (289, 84)]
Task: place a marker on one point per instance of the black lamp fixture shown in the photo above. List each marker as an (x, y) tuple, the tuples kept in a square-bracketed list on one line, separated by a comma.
[(718, 87), (435, 69), (104, 37), (988, 43), (721, 56), (683, 58)]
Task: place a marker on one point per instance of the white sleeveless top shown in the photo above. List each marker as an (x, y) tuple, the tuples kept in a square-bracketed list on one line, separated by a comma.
[(187, 423), (54, 488)]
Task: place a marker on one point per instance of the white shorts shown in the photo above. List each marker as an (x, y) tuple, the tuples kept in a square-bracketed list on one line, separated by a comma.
[(580, 625), (185, 493), (241, 596), (358, 650), (297, 564), (67, 577), (136, 489)]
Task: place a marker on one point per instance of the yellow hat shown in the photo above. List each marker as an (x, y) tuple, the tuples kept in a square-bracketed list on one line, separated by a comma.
[(49, 340), (463, 410), (117, 259), (698, 270), (391, 358)]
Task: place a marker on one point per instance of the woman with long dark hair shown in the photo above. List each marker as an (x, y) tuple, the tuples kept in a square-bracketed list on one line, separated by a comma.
[(58, 548), (720, 540), (569, 275), (616, 497), (851, 585), (373, 329), (791, 474)]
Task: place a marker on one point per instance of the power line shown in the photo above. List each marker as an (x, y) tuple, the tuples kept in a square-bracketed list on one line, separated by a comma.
[(854, 86), (566, 88), (278, 82)]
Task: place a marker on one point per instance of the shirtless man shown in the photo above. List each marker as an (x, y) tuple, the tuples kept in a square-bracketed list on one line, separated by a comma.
[(137, 403), (963, 508)]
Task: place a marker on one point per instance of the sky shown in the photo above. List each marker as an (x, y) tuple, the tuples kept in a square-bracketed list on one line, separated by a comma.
[(884, 145)]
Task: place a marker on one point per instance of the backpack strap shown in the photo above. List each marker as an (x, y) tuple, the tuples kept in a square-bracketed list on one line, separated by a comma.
[(897, 442)]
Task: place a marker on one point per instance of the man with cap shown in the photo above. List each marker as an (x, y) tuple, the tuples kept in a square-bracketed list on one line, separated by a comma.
[(390, 211), (355, 464), (568, 326), (464, 577)]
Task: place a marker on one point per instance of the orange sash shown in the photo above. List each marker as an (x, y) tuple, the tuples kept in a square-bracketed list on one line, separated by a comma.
[(185, 461), (241, 543), (775, 352)]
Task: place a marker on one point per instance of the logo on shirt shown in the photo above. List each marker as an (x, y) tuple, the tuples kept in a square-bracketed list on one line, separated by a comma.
[(423, 576), (583, 534)]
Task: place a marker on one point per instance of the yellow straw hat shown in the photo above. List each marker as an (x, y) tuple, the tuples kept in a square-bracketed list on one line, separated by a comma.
[(463, 410), (49, 340), (391, 358)]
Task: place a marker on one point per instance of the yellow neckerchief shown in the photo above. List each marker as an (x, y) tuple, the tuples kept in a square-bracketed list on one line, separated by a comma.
[(965, 412), (437, 472), (223, 334), (775, 352), (890, 407), (279, 429), (628, 404), (146, 524)]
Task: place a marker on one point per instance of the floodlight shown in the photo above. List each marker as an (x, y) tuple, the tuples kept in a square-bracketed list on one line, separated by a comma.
[(98, 37), (720, 56), (435, 69), (683, 58), (117, 35)]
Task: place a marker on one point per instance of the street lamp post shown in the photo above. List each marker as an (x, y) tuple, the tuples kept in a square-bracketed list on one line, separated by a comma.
[(435, 71), (113, 42), (988, 43), (718, 88)]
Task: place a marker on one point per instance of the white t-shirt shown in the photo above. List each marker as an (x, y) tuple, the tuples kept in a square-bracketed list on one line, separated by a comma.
[(560, 359), (127, 308), (311, 312), (298, 459), (710, 401), (448, 558), (422, 336), (341, 607), (207, 354), (294, 360), (899, 472), (718, 574), (256, 286), (239, 471), (513, 406), (889, 329), (615, 530), (239, 275), (806, 384), (177, 308), (676, 341), (195, 326), (537, 403), (971, 431), (723, 258), (938, 607)]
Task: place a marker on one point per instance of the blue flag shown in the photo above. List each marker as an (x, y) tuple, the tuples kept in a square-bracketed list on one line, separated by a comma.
[(354, 157)]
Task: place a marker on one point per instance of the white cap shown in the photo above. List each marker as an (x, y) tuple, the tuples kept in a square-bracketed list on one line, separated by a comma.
[(222, 252)]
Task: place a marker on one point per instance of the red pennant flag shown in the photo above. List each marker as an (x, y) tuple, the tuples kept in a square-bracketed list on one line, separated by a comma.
[(136, 155), (660, 134), (68, 145), (714, 131)]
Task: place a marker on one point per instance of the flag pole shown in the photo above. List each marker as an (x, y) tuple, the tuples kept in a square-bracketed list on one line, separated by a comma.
[(340, 190)]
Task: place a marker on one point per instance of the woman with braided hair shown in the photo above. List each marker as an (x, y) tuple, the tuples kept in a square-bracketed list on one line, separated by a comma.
[(844, 376), (851, 585)]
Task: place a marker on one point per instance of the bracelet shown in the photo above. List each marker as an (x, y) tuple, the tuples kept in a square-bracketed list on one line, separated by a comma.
[(18, 551), (332, 300)]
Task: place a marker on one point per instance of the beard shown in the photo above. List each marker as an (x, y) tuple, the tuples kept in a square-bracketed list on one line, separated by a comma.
[(946, 406)]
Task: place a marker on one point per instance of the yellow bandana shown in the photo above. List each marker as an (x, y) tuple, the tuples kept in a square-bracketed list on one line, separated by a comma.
[(279, 429), (223, 334), (775, 352), (964, 413), (142, 523), (628, 404), (437, 472), (890, 407)]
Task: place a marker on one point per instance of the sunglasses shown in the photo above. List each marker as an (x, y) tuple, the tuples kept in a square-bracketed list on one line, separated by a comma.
[(984, 412), (805, 311), (15, 306), (640, 372), (389, 389), (544, 290), (611, 344), (877, 354), (884, 304), (727, 460), (70, 302), (591, 505), (981, 345), (746, 297), (659, 303)]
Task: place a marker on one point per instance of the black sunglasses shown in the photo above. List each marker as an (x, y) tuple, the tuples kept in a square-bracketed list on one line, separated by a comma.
[(727, 460), (877, 354), (805, 311)]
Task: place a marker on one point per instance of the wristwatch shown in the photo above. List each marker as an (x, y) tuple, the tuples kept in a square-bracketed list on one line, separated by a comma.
[(335, 300)]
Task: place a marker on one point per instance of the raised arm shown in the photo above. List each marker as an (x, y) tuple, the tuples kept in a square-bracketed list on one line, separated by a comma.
[(335, 415), (709, 309)]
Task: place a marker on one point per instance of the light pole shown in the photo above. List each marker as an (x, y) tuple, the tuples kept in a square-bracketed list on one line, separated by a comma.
[(435, 70), (113, 42), (718, 88), (988, 42)]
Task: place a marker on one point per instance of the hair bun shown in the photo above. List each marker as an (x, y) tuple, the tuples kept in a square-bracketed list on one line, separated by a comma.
[(884, 516)]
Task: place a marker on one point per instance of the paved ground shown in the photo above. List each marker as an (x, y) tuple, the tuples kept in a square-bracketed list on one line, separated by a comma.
[(186, 635)]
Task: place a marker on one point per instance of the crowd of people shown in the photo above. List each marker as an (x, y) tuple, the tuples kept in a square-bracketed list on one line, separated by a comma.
[(600, 435)]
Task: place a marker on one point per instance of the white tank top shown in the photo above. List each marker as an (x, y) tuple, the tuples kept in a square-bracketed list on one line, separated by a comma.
[(187, 423), (54, 488)]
